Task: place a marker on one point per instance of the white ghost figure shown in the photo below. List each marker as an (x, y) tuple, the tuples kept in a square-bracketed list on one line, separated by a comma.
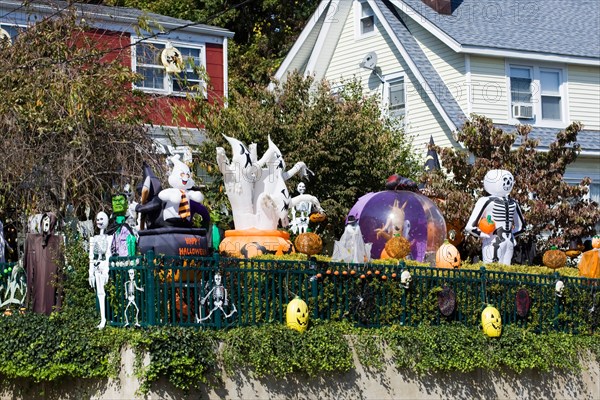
[(176, 199), (504, 211)]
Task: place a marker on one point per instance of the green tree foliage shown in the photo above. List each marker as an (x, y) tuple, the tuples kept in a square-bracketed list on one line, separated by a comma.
[(548, 202), (264, 30), (71, 125), (341, 137)]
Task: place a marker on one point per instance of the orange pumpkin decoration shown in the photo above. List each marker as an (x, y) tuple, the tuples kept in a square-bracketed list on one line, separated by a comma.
[(317, 217), (397, 247), (486, 225), (589, 266), (554, 258), (308, 243), (447, 256)]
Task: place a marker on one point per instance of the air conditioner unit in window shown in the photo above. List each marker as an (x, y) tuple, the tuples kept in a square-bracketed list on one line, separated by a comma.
[(522, 110)]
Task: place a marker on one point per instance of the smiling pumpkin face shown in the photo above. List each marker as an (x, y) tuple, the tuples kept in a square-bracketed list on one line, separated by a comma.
[(491, 322), (297, 315)]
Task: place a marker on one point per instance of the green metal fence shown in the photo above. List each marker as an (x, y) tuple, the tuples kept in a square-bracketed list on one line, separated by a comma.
[(186, 292)]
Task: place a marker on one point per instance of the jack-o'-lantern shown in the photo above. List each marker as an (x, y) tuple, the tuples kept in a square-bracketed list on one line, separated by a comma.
[(447, 256), (486, 225), (596, 242), (296, 315), (554, 258), (308, 243), (317, 217), (397, 247), (491, 321)]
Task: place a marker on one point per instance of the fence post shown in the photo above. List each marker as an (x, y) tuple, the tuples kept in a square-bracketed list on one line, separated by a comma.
[(556, 302), (150, 287), (482, 292), (314, 288)]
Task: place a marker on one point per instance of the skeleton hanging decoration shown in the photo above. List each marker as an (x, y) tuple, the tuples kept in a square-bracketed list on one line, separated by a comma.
[(218, 295), (405, 279), (506, 214), (99, 253), (130, 287)]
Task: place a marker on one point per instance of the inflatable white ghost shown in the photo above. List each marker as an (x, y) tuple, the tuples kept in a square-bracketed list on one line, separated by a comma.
[(504, 211), (177, 198)]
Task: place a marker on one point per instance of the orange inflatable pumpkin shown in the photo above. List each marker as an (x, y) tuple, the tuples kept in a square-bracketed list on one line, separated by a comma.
[(447, 256), (486, 225)]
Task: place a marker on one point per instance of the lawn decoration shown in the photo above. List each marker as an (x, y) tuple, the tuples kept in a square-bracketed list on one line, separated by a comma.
[(123, 236), (491, 321), (559, 288), (554, 258), (130, 288), (3, 244), (351, 247), (523, 302), (362, 302), (308, 243), (218, 296), (506, 213), (13, 286), (446, 301), (405, 279), (171, 231), (486, 225), (317, 218), (397, 247), (99, 253), (415, 217), (300, 213), (259, 197), (575, 248), (296, 315), (447, 256), (589, 265)]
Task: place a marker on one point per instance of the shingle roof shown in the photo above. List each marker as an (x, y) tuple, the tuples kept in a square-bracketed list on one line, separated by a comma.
[(560, 27), (432, 78), (588, 139)]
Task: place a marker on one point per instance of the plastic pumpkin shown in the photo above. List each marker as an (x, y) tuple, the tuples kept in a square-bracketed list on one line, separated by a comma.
[(397, 247), (447, 256), (486, 225), (317, 217), (491, 321), (308, 243), (554, 258), (296, 315)]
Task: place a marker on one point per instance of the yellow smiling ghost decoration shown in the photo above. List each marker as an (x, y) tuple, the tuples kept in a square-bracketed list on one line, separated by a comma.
[(297, 315), (491, 321)]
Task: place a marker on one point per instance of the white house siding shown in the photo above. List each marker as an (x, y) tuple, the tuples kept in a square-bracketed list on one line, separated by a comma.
[(584, 95), (422, 118), (489, 88), (448, 64)]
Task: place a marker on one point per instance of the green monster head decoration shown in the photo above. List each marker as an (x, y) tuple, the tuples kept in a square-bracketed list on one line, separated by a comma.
[(119, 204)]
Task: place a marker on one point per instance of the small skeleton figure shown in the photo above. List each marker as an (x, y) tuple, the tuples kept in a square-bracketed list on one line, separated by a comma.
[(504, 211), (130, 288), (219, 296), (99, 253), (300, 212)]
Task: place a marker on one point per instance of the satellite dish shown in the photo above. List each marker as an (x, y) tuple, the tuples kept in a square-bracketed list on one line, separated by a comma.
[(171, 59), (5, 37), (369, 61)]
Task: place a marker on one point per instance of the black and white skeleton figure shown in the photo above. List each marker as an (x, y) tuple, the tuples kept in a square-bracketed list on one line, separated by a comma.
[(219, 300), (99, 253), (300, 212), (130, 288), (504, 211)]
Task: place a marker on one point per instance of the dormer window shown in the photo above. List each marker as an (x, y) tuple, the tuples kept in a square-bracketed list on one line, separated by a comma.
[(365, 19)]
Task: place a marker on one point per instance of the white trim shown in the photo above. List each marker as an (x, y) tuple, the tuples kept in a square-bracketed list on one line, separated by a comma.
[(421, 80), (358, 6), (487, 51), (469, 82), (321, 39), (385, 100), (225, 73), (301, 39)]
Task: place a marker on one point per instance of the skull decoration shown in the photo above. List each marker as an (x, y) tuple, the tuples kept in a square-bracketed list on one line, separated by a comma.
[(498, 182), (101, 220), (405, 279), (559, 288)]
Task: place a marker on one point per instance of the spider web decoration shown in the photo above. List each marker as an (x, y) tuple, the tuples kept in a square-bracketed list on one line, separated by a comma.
[(362, 303)]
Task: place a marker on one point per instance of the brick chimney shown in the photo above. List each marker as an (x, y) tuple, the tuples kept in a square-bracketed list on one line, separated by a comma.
[(440, 6)]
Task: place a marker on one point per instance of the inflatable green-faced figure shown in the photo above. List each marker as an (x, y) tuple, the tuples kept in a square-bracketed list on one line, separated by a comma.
[(124, 237)]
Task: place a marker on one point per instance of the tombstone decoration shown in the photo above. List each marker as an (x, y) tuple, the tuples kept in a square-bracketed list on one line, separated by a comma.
[(131, 287), (99, 254), (505, 213)]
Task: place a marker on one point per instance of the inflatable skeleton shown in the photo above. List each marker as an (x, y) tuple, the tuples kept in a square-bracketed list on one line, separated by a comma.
[(504, 211), (99, 253)]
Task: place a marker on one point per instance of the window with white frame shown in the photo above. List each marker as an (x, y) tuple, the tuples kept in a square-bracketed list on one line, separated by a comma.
[(155, 78), (365, 18), (11, 30), (396, 97), (536, 93)]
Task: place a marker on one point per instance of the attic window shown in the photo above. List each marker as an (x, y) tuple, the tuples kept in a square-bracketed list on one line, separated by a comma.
[(366, 19)]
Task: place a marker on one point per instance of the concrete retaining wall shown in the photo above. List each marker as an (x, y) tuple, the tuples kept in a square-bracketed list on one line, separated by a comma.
[(357, 384)]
